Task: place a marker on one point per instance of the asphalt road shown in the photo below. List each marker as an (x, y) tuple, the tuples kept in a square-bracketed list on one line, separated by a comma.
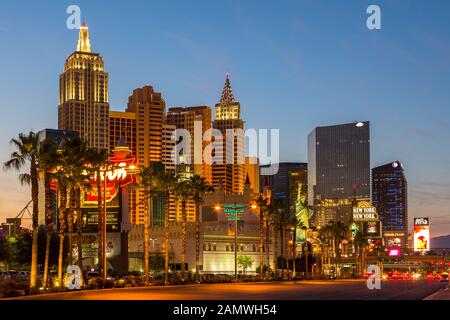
[(303, 290)]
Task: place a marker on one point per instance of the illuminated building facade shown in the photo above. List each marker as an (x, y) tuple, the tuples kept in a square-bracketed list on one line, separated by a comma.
[(339, 166), (168, 146), (252, 173), (122, 125), (185, 118), (231, 173), (148, 107), (389, 196), (83, 95)]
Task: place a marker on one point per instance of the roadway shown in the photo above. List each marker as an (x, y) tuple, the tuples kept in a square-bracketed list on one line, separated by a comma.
[(302, 290)]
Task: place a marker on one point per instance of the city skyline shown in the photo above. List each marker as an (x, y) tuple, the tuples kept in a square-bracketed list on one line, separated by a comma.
[(417, 141)]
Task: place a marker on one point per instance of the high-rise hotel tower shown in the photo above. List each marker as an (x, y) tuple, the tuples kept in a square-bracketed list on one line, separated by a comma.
[(231, 174), (83, 94)]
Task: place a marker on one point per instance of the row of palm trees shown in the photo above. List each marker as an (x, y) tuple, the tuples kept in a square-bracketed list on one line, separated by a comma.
[(69, 168), (153, 180), (73, 168), (327, 240)]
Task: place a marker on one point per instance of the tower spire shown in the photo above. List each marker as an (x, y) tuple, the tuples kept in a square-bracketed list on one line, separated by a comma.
[(84, 44), (227, 93)]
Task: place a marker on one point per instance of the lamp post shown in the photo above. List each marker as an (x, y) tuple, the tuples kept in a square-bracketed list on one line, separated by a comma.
[(234, 211)]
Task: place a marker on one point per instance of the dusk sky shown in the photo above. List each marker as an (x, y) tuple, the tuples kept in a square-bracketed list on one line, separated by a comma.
[(294, 65)]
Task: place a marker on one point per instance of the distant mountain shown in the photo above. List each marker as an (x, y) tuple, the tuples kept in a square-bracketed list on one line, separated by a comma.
[(440, 242)]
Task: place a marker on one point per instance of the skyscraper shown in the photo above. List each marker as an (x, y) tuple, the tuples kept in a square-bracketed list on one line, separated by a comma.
[(148, 107), (339, 166), (83, 94), (231, 173), (185, 118), (389, 196)]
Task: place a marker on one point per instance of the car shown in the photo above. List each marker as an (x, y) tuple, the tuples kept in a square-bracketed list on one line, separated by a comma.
[(4, 275), (444, 277), (430, 276)]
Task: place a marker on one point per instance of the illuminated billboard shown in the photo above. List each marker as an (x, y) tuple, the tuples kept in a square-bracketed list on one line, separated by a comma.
[(372, 229), (364, 212), (394, 252), (421, 234)]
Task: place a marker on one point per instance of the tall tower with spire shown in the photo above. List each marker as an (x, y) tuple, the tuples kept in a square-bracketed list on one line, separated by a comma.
[(231, 173), (83, 94)]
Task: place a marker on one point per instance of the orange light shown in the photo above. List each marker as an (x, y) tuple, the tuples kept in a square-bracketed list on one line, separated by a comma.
[(217, 207), (254, 206)]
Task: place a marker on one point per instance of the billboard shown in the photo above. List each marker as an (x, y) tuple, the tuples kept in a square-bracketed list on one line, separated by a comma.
[(372, 229), (394, 252), (364, 212), (113, 211), (421, 234)]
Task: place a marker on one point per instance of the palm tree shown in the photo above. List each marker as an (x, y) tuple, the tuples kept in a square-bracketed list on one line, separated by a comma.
[(184, 192), (150, 182), (48, 161), (360, 242), (339, 232), (323, 238), (199, 186), (27, 146), (261, 202), (301, 225), (76, 169), (276, 217), (169, 182), (97, 161)]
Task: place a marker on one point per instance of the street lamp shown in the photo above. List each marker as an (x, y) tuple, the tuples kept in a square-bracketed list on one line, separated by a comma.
[(234, 210)]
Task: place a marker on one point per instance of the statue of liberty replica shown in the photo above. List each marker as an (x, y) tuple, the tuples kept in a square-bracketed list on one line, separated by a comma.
[(302, 212)]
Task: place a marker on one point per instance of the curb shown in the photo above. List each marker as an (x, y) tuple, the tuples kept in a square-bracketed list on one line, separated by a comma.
[(434, 294)]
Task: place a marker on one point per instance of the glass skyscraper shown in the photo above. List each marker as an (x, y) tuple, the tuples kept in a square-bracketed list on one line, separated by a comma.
[(339, 167), (389, 196)]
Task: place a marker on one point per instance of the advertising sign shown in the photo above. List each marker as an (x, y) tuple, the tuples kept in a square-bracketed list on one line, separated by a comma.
[(394, 252), (372, 229), (421, 221), (421, 234), (113, 213), (421, 238), (364, 212)]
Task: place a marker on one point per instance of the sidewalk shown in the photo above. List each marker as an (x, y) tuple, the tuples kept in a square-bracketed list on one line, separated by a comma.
[(443, 294)]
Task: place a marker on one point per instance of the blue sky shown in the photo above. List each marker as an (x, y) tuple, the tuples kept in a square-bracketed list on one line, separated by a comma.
[(294, 65)]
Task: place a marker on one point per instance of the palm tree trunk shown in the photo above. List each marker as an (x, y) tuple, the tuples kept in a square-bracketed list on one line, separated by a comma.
[(197, 241), (49, 227), (166, 238), (35, 198), (306, 259), (267, 245), (183, 239), (62, 229), (261, 237), (100, 223), (70, 222), (147, 236), (282, 251), (275, 253), (79, 216), (294, 250)]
